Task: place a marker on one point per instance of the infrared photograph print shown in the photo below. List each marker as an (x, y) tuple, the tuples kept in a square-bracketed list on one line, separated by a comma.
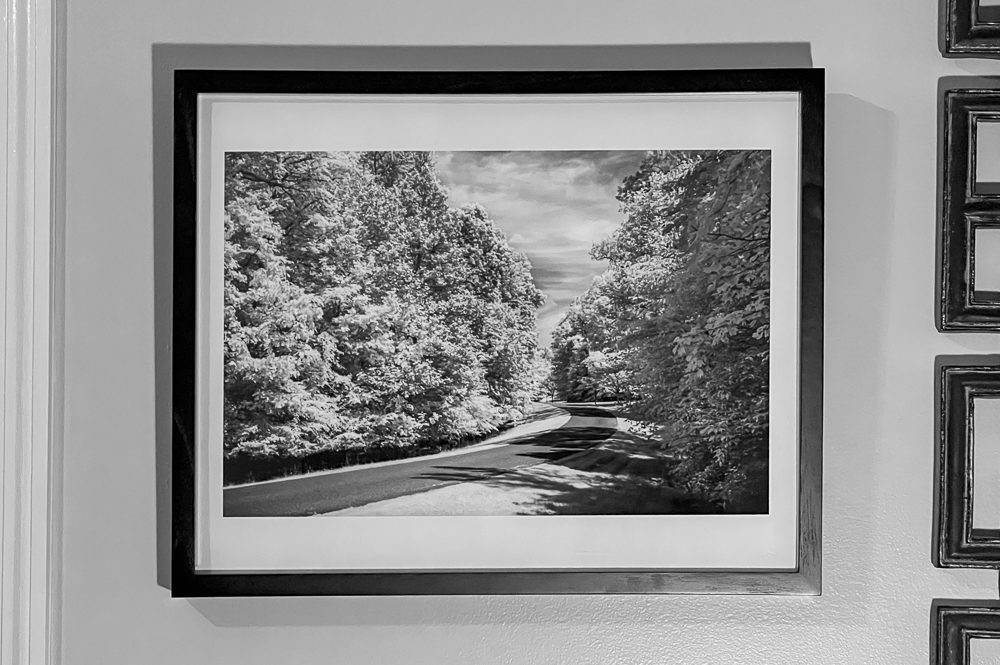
[(496, 333)]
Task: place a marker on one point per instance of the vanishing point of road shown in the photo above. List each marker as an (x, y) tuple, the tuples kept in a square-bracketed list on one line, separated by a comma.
[(357, 486)]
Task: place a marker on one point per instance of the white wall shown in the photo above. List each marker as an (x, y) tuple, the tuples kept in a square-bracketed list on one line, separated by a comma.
[(882, 67)]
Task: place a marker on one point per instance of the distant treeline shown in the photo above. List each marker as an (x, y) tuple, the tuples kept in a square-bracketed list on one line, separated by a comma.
[(677, 327), (362, 312)]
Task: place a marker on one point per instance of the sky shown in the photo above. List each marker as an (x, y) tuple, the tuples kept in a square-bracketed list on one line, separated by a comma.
[(553, 206)]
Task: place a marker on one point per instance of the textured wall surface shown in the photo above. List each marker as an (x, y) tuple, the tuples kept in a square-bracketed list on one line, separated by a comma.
[(882, 67)]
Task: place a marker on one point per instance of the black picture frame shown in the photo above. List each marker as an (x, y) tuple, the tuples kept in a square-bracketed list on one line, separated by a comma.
[(957, 544), (968, 30), (964, 209), (954, 623), (186, 581)]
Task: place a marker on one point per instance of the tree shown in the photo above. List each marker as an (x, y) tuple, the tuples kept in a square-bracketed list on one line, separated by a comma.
[(274, 361), (678, 324), (363, 311)]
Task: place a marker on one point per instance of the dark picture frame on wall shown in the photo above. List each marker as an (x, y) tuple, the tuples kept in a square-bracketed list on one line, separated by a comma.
[(956, 623), (497, 332), (969, 30), (969, 205), (961, 381)]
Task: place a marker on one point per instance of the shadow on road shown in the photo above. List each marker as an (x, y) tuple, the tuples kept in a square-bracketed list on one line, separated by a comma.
[(565, 439), (540, 411), (553, 446), (599, 470)]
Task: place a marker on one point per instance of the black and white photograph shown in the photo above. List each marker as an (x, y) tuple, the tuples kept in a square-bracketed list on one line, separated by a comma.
[(533, 332)]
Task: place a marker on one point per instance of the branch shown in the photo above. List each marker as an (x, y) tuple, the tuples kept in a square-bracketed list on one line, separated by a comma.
[(721, 199)]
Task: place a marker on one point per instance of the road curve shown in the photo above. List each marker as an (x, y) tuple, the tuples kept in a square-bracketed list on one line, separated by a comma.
[(347, 488)]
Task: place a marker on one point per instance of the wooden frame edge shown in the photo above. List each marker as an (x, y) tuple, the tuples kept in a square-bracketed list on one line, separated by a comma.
[(955, 544), (496, 583), (960, 206), (962, 35), (954, 622)]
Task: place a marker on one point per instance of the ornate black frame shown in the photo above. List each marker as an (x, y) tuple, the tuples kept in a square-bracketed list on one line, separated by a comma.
[(187, 582), (967, 32), (955, 622), (960, 379), (963, 210)]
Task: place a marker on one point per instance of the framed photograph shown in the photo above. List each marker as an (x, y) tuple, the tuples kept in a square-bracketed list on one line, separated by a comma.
[(969, 227), (970, 28), (966, 523), (497, 332), (964, 632)]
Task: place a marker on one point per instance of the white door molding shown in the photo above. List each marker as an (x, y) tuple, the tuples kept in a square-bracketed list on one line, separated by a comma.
[(29, 473)]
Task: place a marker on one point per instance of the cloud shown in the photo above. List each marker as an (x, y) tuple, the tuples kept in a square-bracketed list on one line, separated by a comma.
[(553, 206)]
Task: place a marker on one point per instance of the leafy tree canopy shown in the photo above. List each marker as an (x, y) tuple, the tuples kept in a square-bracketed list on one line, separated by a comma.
[(677, 328), (363, 311)]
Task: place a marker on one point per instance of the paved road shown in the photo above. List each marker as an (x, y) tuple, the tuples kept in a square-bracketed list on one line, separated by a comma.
[(347, 488)]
